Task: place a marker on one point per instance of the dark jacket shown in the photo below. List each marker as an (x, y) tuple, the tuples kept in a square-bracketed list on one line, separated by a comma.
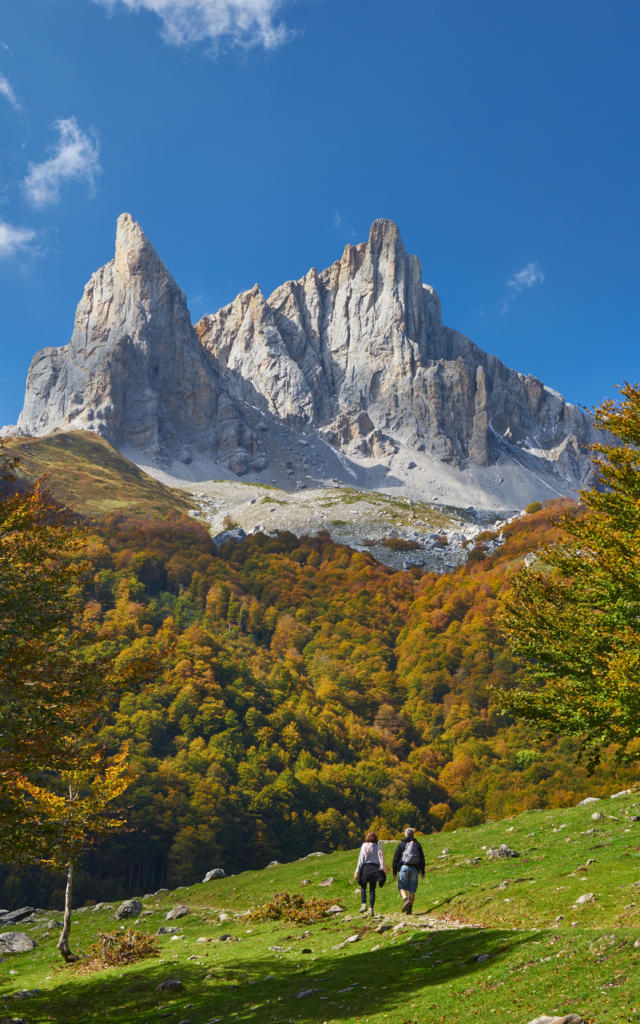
[(397, 857)]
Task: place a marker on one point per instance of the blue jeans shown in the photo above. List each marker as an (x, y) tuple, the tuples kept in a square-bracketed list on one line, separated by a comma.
[(408, 878)]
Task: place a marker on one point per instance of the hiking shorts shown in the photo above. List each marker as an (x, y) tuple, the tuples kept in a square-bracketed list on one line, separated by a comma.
[(408, 878)]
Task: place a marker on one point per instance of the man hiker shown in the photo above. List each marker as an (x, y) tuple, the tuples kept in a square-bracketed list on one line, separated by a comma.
[(408, 860)]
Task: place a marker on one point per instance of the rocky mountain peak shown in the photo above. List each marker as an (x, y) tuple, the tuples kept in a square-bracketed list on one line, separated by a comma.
[(134, 370), (355, 358)]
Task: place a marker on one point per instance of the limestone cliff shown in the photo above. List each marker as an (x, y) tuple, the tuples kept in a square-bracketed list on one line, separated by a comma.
[(346, 375), (359, 351), (134, 370)]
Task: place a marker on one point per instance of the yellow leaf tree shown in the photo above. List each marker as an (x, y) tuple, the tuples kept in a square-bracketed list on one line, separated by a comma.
[(73, 808)]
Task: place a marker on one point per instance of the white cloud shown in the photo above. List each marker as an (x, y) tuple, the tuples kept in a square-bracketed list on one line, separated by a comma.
[(12, 239), (530, 275), (526, 278), (6, 90), (244, 23), (75, 158)]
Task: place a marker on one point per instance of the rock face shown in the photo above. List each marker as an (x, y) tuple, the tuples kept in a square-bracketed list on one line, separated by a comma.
[(134, 370), (359, 351), (353, 362)]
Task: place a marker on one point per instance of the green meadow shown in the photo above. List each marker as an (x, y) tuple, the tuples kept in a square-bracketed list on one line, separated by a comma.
[(498, 939)]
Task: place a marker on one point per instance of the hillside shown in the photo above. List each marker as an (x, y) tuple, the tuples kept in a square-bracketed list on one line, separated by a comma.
[(294, 691), (87, 473), (499, 939)]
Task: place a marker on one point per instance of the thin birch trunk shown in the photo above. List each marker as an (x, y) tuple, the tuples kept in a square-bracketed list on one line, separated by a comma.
[(63, 941)]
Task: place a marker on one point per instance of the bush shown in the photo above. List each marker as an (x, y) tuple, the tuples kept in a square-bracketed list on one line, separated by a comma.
[(286, 906), (117, 949)]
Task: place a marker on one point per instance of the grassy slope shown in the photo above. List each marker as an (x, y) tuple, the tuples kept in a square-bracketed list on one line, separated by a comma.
[(587, 962), (86, 472)]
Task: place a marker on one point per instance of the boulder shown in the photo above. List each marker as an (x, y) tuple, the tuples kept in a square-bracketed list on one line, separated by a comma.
[(213, 874), (128, 908), (16, 942), (13, 916), (179, 911), (497, 852)]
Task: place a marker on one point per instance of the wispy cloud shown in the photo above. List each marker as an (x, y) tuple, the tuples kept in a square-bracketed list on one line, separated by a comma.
[(75, 158), (6, 90), (244, 23), (530, 275), (13, 239)]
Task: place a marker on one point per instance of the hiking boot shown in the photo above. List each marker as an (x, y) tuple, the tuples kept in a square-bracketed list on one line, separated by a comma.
[(363, 908), (409, 909), (371, 912), (406, 905)]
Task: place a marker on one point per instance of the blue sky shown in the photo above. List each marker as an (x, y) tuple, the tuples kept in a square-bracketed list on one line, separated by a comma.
[(254, 138)]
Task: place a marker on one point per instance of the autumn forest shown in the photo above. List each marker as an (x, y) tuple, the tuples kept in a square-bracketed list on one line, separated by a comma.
[(289, 693)]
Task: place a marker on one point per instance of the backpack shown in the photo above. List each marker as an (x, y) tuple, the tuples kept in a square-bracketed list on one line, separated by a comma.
[(411, 854)]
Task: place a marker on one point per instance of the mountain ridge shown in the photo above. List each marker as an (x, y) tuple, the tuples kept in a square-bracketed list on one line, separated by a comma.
[(352, 363)]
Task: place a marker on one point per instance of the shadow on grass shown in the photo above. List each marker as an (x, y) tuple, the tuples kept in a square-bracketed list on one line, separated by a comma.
[(260, 990)]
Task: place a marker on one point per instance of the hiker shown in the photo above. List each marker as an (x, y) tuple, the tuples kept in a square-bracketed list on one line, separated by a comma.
[(408, 860), (369, 870)]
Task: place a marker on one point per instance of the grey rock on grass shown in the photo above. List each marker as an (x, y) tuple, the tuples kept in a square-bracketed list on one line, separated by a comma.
[(498, 852), (128, 908), (16, 942), (181, 910), (213, 874)]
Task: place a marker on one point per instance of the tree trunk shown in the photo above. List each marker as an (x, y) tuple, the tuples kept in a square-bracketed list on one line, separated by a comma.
[(63, 941)]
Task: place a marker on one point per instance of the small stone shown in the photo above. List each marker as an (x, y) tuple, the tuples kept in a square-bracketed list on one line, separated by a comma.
[(587, 897), (597, 816), (170, 985), (305, 992), (224, 916), (353, 938), (623, 792), (588, 800), (570, 1018), (481, 957), (336, 908), (306, 950), (327, 881), (166, 930)]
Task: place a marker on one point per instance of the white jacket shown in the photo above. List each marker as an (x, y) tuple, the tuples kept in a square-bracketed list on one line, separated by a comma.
[(370, 853)]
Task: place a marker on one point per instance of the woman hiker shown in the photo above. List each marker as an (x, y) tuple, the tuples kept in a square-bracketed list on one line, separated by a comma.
[(370, 864), (408, 860)]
